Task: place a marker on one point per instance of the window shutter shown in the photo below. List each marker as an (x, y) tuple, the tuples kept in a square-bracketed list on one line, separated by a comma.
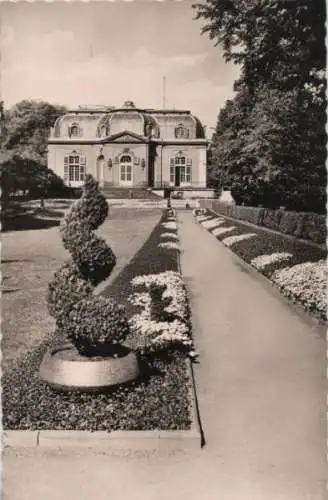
[(172, 162), (189, 162), (82, 167), (66, 173)]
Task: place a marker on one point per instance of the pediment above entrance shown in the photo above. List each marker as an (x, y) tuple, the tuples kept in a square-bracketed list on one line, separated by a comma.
[(125, 137)]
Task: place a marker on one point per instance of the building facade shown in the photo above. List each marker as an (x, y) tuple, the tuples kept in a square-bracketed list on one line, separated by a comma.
[(129, 147)]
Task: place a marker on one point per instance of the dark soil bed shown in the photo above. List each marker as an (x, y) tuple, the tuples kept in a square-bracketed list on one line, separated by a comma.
[(268, 243), (159, 400)]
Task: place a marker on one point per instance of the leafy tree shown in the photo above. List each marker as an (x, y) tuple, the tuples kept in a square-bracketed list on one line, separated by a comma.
[(27, 175), (27, 126), (25, 132), (270, 139)]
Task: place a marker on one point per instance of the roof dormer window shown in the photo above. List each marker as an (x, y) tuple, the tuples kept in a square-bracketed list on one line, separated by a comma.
[(181, 132), (75, 130)]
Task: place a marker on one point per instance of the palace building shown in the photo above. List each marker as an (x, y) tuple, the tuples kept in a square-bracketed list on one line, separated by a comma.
[(129, 147)]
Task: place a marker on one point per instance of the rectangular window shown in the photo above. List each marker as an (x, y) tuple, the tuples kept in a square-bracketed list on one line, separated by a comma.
[(172, 175), (185, 175), (74, 168)]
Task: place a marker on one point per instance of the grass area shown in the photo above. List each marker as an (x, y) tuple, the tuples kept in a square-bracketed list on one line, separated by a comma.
[(28, 215), (264, 243), (29, 259), (159, 400)]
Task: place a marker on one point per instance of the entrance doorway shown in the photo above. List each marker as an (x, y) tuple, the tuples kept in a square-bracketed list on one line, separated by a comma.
[(180, 171), (126, 170), (100, 170)]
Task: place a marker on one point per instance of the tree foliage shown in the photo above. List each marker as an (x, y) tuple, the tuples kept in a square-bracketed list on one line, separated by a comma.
[(270, 139), (25, 130)]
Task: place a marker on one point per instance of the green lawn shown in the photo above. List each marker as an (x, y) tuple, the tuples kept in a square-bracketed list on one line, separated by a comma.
[(29, 259)]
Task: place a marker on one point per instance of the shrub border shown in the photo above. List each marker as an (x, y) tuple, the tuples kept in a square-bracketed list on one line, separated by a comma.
[(291, 237), (116, 440)]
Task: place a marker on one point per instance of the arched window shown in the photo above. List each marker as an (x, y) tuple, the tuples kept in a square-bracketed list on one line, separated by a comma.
[(181, 132), (74, 167), (75, 130)]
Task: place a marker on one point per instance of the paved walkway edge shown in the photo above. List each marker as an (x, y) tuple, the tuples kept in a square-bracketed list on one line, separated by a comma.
[(119, 440), (298, 309)]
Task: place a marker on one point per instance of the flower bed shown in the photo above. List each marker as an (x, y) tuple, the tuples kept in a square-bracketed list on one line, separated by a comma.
[(169, 236), (305, 283), (264, 261), (159, 400), (232, 240), (271, 252), (170, 245), (306, 225)]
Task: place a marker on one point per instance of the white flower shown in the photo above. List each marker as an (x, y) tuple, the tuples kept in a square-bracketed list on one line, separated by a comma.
[(262, 261), (170, 236), (201, 218), (171, 245), (175, 290), (221, 230), (209, 224), (162, 333), (140, 299), (215, 230), (169, 225), (231, 240), (305, 283)]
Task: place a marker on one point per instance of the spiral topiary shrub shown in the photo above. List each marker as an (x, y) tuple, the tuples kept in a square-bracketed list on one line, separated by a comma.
[(90, 322)]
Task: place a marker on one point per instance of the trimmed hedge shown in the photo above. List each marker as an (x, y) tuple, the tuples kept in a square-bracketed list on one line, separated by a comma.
[(159, 400), (303, 225)]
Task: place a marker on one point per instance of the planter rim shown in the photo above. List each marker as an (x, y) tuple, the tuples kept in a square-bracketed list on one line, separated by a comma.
[(87, 375)]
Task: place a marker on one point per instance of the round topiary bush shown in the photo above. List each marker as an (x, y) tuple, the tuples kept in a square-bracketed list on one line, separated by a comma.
[(90, 322)]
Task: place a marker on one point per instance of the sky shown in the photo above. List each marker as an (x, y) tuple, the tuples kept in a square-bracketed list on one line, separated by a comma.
[(103, 52)]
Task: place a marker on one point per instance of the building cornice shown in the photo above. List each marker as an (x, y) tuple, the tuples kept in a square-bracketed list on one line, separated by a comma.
[(181, 142), (162, 142)]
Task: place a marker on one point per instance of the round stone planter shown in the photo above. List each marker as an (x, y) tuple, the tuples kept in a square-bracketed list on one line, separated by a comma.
[(65, 369)]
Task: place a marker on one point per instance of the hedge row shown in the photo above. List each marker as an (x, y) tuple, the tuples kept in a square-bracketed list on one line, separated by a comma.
[(303, 225)]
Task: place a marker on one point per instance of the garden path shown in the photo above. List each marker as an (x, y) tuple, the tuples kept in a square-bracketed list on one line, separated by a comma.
[(260, 384), (261, 376)]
